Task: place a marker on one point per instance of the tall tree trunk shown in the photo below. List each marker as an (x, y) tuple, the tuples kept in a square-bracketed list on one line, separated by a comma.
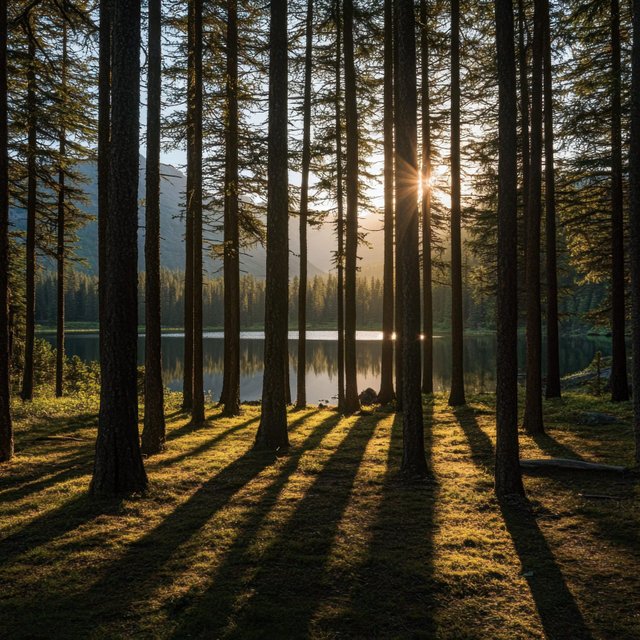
[(194, 200), (301, 399), (30, 266), (351, 400), (272, 431), (104, 137), (427, 294), (553, 339), (340, 207), (6, 425), (187, 379), (153, 434), (399, 300), (414, 463), (634, 177), (619, 383), (61, 228), (118, 463), (231, 384), (456, 397), (533, 421), (386, 393), (508, 478)]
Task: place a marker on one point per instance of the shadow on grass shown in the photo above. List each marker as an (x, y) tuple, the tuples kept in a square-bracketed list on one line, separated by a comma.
[(558, 610), (142, 568), (204, 446), (396, 592), (212, 609)]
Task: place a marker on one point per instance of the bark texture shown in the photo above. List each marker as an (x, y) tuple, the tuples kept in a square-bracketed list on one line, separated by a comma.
[(118, 465), (6, 425), (533, 421), (508, 478), (153, 434), (351, 401), (456, 396), (413, 455), (272, 431), (386, 393)]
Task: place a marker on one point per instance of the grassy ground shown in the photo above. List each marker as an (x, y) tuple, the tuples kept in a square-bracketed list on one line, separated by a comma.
[(323, 542)]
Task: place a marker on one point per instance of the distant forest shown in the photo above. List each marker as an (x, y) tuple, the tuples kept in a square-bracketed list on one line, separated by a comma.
[(581, 311)]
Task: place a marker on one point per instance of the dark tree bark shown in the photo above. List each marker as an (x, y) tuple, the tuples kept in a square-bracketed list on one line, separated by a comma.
[(230, 397), (508, 478), (301, 399), (32, 203), (272, 432), (351, 400), (6, 425), (194, 199), (399, 300), (118, 465), (634, 177), (524, 104), (61, 231), (340, 208), (533, 420), (553, 338), (153, 434), (187, 381), (427, 293), (414, 463), (104, 136), (456, 396), (386, 393), (619, 382)]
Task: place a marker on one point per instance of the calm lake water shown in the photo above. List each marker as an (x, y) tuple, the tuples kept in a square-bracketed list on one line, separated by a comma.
[(322, 377)]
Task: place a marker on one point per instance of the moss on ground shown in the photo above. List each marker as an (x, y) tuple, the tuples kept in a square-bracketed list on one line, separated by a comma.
[(324, 541)]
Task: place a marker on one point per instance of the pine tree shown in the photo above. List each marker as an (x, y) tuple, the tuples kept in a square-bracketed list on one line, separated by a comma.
[(351, 401), (507, 472), (457, 395), (301, 399), (552, 389), (413, 459), (6, 426), (427, 276), (533, 421), (118, 465), (194, 199), (272, 431), (230, 397), (386, 393), (153, 434), (618, 380)]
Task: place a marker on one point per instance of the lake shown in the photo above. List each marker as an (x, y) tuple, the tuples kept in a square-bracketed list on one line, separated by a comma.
[(322, 376)]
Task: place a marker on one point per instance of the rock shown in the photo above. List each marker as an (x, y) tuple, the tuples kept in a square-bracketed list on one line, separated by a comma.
[(594, 418), (368, 396)]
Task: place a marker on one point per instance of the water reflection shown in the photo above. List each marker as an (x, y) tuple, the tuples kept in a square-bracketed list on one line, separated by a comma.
[(322, 356)]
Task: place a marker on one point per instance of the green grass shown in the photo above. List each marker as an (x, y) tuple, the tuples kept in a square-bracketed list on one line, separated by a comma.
[(323, 542)]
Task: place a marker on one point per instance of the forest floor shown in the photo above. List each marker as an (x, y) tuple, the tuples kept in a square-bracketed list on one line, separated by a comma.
[(324, 541)]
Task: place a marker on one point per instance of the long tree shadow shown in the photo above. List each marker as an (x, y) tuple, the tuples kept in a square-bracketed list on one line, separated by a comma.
[(395, 583), (141, 568), (291, 574), (211, 609), (208, 444), (558, 610)]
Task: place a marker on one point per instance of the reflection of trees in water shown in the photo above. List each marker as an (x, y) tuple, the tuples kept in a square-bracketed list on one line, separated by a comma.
[(322, 355), (322, 358)]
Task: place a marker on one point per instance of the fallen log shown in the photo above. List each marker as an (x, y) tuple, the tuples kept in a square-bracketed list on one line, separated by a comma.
[(566, 463)]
